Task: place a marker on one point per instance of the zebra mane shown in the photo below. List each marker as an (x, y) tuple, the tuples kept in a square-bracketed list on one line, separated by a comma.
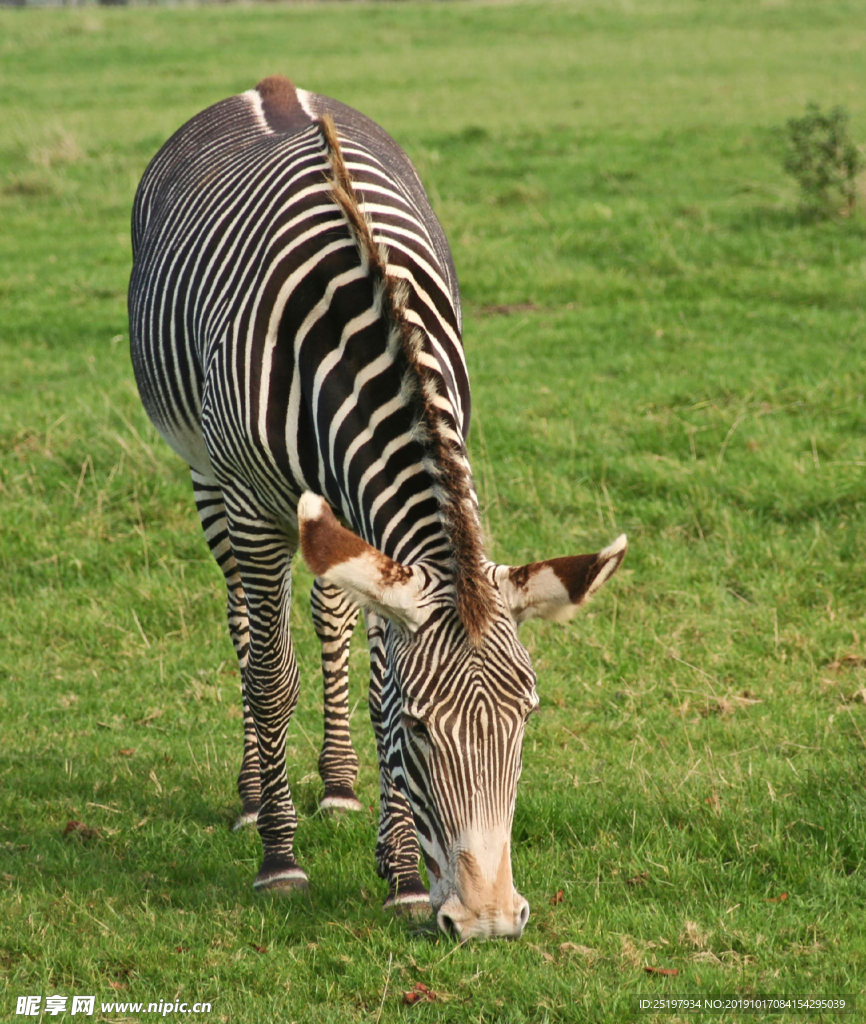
[(445, 457)]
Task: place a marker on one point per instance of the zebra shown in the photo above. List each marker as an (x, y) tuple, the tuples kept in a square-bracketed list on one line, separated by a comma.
[(296, 337)]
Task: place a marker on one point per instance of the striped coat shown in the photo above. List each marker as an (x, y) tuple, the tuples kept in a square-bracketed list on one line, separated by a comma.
[(296, 330)]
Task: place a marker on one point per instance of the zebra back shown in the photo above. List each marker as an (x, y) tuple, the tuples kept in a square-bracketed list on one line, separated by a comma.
[(296, 325)]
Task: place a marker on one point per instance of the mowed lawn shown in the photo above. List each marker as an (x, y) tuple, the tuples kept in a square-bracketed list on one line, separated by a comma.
[(659, 344)]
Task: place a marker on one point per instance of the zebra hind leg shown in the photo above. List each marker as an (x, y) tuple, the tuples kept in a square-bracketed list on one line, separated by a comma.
[(334, 619), (212, 513), (397, 850)]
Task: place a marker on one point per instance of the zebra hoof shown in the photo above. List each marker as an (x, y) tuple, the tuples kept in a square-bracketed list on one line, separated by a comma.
[(340, 803), (280, 883), (244, 819), (414, 904)]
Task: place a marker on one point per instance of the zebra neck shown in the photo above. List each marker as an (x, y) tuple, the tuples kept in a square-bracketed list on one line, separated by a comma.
[(399, 477)]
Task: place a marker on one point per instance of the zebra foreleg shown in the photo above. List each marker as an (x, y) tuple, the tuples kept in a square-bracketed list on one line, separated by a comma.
[(334, 619), (263, 554), (397, 851), (212, 513), (249, 777)]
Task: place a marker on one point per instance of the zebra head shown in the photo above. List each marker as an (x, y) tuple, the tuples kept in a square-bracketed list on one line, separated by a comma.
[(455, 710)]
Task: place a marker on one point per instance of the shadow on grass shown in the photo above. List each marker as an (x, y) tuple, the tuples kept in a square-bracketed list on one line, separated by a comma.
[(778, 218), (176, 852), (797, 837)]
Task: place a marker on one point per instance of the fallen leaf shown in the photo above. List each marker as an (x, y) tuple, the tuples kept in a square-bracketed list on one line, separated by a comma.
[(80, 831), (777, 899), (668, 972), (127, 751), (558, 898), (419, 994), (638, 879), (180, 949), (117, 984), (259, 949)]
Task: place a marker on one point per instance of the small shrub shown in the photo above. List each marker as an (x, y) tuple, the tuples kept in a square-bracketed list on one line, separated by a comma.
[(824, 159)]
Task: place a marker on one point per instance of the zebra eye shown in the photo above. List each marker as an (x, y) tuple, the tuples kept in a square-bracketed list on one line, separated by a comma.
[(416, 728)]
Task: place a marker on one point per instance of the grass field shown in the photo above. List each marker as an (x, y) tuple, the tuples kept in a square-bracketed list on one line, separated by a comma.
[(659, 344)]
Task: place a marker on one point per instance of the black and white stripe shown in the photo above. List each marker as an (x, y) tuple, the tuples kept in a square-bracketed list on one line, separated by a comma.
[(296, 331)]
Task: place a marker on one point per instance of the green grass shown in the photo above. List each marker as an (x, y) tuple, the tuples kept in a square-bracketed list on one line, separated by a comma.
[(683, 360)]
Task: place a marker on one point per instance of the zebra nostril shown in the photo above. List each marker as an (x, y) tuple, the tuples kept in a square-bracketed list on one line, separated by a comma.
[(523, 916), (448, 925)]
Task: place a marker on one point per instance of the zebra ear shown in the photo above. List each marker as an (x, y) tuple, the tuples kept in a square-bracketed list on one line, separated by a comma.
[(338, 556), (555, 589)]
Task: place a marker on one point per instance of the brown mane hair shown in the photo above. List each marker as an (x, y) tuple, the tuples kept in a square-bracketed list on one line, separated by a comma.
[(445, 457)]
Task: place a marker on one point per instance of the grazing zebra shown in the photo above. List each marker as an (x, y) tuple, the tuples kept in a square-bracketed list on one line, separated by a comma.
[(295, 329)]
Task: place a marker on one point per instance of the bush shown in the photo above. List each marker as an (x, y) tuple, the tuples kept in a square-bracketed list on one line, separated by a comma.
[(824, 159)]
